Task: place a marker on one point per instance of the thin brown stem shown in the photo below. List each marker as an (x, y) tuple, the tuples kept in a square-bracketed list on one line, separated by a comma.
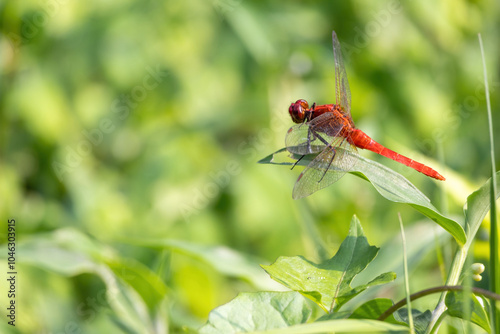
[(402, 302)]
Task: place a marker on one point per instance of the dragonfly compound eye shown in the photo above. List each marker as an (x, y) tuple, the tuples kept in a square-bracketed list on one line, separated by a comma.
[(303, 103), (297, 110)]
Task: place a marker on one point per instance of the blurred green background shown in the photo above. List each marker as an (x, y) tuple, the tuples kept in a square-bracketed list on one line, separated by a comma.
[(130, 133)]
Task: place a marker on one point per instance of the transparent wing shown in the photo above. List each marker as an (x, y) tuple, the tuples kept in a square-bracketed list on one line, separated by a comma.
[(327, 168), (301, 140), (313, 136), (342, 90)]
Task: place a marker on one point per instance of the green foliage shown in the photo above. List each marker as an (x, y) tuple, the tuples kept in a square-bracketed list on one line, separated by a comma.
[(477, 206), (134, 294), (372, 309), (478, 311), (224, 260), (260, 311), (329, 283), (298, 273), (388, 183), (420, 319), (130, 132)]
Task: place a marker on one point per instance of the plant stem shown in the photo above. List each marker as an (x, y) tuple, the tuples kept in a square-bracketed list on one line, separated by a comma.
[(402, 302), (456, 269), (438, 322), (407, 283)]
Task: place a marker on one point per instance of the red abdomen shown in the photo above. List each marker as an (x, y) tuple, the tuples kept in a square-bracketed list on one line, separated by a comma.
[(362, 140)]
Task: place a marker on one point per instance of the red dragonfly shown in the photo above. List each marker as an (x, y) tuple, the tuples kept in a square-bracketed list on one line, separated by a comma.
[(329, 130)]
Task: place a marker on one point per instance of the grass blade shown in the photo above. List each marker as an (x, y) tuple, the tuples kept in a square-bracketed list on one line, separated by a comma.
[(494, 243)]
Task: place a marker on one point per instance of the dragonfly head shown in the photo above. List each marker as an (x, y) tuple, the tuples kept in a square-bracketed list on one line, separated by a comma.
[(298, 110)]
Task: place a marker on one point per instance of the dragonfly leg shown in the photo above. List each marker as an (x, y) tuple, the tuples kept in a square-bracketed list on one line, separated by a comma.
[(329, 164), (296, 162), (323, 140), (330, 147), (311, 136)]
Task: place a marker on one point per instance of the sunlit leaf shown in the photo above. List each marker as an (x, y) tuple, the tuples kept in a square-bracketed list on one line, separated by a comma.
[(328, 283), (455, 301), (478, 205), (391, 185), (258, 311)]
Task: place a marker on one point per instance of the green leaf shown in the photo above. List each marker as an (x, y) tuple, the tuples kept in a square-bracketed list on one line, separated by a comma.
[(258, 311), (455, 301), (328, 283), (391, 185), (478, 205), (420, 320), (373, 309), (141, 278)]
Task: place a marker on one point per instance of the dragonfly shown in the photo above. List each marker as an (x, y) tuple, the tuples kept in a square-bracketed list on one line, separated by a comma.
[(328, 131)]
